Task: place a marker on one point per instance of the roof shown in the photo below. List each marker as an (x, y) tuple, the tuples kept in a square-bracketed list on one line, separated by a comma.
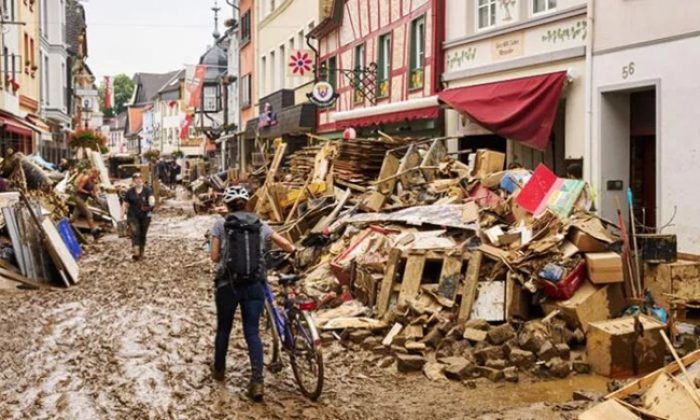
[(75, 25), (174, 83), (148, 85), (331, 18), (216, 61)]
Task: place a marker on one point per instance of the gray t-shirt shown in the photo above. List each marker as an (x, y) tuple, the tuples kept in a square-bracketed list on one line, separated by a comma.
[(218, 231)]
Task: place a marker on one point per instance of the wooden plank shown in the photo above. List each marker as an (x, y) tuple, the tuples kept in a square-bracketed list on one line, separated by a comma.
[(608, 410), (646, 381), (10, 275), (449, 277), (666, 399), (388, 281), (469, 288), (690, 385), (61, 254), (412, 277), (326, 221)]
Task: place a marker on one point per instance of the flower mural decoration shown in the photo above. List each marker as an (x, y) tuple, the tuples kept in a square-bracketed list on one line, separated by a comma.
[(300, 63)]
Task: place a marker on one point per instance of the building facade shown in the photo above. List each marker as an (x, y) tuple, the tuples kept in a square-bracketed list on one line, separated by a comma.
[(505, 51), (247, 79), (384, 59), (53, 69), (29, 90), (644, 113), (168, 112), (282, 107)]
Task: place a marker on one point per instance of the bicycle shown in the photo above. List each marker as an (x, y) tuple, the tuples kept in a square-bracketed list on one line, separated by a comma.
[(299, 338)]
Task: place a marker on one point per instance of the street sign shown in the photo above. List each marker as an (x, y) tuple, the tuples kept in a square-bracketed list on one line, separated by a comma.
[(85, 92)]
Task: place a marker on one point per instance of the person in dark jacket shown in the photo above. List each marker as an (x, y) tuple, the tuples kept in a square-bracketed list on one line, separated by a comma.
[(137, 208)]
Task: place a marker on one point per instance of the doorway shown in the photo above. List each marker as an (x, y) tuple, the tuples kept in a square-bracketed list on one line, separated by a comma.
[(643, 156), (628, 154)]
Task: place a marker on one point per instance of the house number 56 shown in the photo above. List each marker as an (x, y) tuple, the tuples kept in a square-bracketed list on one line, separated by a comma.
[(628, 70)]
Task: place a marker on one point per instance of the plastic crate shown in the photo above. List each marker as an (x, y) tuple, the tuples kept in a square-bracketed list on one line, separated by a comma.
[(68, 236)]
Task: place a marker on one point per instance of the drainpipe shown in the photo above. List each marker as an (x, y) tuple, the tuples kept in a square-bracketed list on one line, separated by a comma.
[(588, 158)]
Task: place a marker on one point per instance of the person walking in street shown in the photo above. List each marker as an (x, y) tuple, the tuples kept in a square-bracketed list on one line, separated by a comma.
[(86, 187), (137, 208), (237, 247)]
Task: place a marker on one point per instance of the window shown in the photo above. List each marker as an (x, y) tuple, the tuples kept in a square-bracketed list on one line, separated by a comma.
[(486, 12), (417, 53), (283, 68), (46, 83), (333, 72), (301, 45), (262, 83), (64, 78), (32, 52), (210, 101), (42, 85), (543, 6), (8, 9), (273, 72), (44, 18), (245, 27), (384, 66), (246, 90), (359, 73)]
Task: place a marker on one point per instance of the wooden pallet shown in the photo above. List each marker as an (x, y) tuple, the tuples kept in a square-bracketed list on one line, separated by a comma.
[(405, 275)]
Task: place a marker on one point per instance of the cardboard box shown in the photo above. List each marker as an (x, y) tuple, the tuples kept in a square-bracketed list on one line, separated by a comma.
[(589, 304), (585, 242), (616, 350), (681, 278), (605, 267), (488, 162)]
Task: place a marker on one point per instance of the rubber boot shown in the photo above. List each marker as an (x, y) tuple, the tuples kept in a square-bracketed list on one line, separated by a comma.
[(141, 251), (256, 390), (135, 255)]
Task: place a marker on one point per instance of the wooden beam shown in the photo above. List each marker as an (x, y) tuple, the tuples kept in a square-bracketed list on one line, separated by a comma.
[(471, 280), (388, 281), (412, 277)]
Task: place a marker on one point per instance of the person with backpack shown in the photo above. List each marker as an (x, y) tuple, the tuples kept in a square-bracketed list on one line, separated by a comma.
[(237, 246), (137, 209)]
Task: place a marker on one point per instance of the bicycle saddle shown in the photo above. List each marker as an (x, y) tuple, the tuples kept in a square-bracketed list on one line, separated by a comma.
[(287, 279)]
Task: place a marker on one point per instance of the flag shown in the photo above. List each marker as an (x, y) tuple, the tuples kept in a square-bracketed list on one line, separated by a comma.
[(196, 84), (185, 127), (108, 93)]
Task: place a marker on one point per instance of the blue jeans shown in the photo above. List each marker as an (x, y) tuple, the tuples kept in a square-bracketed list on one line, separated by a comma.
[(252, 300)]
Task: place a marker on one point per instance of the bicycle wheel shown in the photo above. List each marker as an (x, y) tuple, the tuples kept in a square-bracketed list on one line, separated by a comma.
[(306, 356), (270, 339)]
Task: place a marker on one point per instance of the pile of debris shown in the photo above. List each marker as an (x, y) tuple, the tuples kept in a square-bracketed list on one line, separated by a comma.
[(460, 269), (39, 245)]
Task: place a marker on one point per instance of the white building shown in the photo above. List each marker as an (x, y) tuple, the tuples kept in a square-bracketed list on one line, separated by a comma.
[(52, 62), (645, 114), (511, 47)]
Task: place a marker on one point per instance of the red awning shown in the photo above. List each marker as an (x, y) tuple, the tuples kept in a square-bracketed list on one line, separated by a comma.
[(13, 125), (520, 109), (391, 118)]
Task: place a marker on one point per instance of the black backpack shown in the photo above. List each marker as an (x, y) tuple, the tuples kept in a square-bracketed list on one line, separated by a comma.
[(244, 257)]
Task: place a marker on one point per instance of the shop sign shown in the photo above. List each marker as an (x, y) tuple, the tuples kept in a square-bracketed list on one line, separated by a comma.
[(507, 47), (322, 94)]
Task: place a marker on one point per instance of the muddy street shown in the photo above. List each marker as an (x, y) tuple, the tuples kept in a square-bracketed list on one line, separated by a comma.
[(134, 340)]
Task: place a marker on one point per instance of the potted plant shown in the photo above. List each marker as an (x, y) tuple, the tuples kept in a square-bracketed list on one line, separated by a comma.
[(87, 138)]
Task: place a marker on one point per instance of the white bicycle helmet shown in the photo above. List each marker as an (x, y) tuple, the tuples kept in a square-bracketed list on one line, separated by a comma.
[(234, 192)]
